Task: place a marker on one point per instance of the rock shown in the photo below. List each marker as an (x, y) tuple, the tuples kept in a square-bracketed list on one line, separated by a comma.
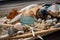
[(18, 26), (10, 32), (41, 13)]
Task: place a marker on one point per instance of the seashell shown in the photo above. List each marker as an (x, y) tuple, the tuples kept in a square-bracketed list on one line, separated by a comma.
[(39, 20), (54, 23), (49, 21), (48, 17), (55, 20), (18, 26), (53, 8), (57, 25), (20, 32)]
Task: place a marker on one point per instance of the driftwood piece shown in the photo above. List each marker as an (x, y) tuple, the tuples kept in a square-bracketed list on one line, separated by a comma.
[(4, 25), (41, 33)]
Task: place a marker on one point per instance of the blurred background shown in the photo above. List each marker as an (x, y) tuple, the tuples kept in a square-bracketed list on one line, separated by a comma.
[(7, 5)]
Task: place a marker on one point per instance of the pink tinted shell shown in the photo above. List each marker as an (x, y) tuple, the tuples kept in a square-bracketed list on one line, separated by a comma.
[(18, 26)]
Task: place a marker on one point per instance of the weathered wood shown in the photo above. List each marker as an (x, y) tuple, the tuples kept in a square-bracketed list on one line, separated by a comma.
[(4, 25), (41, 33)]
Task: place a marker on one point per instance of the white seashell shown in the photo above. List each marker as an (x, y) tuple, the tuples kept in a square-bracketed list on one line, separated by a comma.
[(57, 25), (43, 21), (18, 26), (49, 21), (20, 32), (53, 8), (48, 16), (39, 20), (55, 20)]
